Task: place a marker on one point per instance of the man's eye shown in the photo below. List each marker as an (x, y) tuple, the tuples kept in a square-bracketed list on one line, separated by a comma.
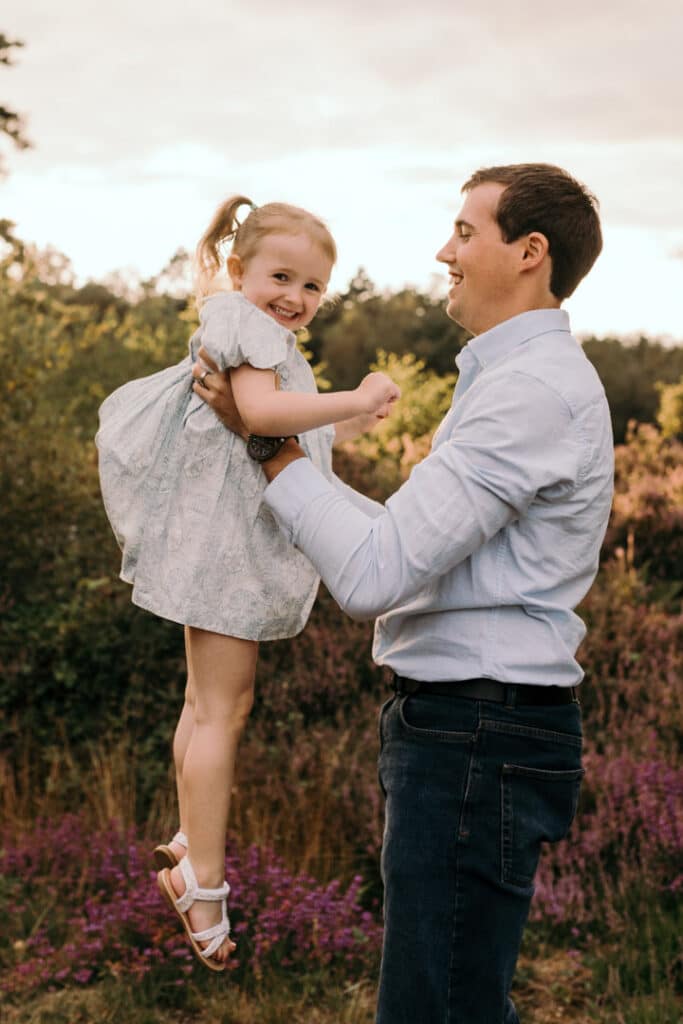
[(463, 236)]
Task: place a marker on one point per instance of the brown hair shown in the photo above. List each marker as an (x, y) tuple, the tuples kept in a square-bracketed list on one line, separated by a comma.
[(542, 197), (245, 235)]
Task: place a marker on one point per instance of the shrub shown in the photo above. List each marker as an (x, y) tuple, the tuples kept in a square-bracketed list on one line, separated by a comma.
[(80, 905)]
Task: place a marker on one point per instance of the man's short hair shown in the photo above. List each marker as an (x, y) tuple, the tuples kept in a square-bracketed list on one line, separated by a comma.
[(541, 197)]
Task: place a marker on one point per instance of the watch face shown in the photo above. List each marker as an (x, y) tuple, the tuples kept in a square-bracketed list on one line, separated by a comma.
[(263, 448)]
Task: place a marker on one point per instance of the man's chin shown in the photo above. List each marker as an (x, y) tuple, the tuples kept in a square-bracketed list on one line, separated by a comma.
[(454, 312)]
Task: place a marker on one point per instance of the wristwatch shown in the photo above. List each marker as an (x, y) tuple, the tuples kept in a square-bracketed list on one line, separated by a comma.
[(262, 448)]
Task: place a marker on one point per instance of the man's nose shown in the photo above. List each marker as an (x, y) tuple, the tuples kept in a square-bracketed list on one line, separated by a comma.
[(447, 253)]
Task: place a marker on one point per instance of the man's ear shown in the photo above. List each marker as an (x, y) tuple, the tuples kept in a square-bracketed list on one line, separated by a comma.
[(235, 271), (534, 250)]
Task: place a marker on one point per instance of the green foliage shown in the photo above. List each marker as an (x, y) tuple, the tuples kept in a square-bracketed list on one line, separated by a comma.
[(70, 643), (348, 332), (647, 514), (630, 373), (670, 413), (404, 438)]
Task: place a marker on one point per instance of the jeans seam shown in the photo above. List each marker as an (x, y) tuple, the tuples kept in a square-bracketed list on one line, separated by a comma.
[(441, 735), (453, 981)]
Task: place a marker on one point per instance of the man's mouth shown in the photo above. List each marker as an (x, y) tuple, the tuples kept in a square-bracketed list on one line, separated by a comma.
[(286, 314), (455, 277)]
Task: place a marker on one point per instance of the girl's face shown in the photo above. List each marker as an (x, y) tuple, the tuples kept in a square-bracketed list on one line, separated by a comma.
[(286, 277)]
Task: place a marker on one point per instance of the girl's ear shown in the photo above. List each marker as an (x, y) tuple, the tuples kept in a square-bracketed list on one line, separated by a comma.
[(235, 271)]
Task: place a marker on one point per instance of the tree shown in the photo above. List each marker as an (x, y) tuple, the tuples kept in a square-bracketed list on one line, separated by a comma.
[(11, 124), (348, 332), (630, 372)]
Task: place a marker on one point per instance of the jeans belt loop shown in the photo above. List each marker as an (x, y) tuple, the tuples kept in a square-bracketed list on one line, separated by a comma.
[(404, 687), (510, 696)]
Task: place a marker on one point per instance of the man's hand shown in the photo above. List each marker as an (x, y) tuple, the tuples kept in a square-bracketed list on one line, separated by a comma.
[(349, 429), (214, 388)]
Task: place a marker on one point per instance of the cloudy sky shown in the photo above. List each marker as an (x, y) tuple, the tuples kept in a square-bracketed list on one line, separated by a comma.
[(144, 115)]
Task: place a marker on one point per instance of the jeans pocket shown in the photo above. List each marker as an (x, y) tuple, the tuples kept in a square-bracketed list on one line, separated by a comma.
[(537, 806)]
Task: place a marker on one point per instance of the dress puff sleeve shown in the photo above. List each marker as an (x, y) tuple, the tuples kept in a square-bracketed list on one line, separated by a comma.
[(234, 331)]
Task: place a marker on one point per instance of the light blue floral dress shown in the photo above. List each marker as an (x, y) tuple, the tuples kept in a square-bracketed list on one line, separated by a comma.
[(184, 498)]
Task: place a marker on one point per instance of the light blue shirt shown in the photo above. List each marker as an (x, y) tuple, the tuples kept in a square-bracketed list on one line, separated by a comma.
[(475, 564)]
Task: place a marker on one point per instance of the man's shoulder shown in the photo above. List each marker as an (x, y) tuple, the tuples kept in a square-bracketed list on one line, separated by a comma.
[(557, 362)]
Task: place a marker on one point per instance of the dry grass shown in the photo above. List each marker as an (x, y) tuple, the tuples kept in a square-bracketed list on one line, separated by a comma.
[(117, 1004), (297, 796), (553, 989)]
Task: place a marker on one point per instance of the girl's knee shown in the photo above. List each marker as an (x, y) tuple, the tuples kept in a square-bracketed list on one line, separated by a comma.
[(231, 710)]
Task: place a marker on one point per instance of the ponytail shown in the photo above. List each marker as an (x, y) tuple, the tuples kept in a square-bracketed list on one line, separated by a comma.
[(223, 228)]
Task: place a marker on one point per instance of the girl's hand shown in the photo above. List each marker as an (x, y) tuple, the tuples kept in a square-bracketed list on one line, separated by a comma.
[(377, 392)]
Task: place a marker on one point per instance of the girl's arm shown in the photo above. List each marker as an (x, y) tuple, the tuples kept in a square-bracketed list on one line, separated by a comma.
[(265, 410)]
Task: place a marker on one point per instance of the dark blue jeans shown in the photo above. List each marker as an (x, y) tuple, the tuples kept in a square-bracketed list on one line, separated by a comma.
[(472, 789)]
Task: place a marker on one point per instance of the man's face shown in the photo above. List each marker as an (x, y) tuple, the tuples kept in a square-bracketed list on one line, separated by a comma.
[(482, 267)]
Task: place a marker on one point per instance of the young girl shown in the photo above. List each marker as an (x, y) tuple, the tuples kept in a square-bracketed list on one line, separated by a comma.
[(184, 500)]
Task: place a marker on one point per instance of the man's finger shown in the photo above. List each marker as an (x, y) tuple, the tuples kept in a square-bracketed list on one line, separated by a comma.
[(207, 360)]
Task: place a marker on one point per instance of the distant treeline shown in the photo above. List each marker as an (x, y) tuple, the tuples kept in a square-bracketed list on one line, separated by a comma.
[(345, 335)]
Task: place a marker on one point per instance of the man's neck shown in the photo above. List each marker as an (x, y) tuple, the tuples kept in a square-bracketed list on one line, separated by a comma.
[(514, 309)]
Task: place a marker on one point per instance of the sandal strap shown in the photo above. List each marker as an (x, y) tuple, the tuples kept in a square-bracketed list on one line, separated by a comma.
[(194, 892), (213, 932), (180, 838), (213, 895), (214, 946)]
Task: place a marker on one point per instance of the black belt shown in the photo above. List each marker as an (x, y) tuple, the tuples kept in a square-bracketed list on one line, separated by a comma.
[(489, 689)]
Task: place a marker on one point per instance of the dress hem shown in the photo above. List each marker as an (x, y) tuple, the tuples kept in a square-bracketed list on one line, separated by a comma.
[(239, 632)]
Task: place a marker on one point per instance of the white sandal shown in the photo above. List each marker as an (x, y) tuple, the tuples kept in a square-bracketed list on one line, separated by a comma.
[(163, 856), (218, 933)]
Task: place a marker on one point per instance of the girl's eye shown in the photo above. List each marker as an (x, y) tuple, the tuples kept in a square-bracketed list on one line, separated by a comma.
[(312, 287), (280, 276)]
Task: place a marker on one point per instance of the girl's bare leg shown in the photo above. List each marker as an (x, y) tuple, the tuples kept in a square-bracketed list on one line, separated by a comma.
[(221, 670), (181, 742)]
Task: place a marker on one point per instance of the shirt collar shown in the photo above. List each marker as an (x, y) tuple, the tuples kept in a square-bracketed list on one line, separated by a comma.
[(500, 340)]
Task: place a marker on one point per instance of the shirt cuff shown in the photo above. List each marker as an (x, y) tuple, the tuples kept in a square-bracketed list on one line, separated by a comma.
[(292, 490)]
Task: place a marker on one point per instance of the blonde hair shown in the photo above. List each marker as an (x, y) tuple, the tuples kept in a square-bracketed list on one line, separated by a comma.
[(245, 235)]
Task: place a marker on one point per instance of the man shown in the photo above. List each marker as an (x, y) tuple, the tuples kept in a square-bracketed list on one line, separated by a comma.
[(474, 567)]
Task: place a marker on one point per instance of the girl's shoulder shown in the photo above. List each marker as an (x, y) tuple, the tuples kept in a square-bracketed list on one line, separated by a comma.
[(234, 331), (221, 301), (247, 315)]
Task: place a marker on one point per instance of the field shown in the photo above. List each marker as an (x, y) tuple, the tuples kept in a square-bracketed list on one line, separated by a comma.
[(91, 688)]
